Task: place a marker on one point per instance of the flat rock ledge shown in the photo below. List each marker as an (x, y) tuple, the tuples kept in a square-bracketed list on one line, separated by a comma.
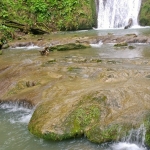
[(68, 43)]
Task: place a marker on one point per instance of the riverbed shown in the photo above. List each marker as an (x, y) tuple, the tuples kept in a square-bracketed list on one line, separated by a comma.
[(69, 67)]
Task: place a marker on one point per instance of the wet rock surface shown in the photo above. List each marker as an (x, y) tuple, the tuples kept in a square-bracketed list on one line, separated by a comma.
[(78, 94)]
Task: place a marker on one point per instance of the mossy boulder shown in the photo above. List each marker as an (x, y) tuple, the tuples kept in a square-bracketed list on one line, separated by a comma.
[(84, 114), (69, 46), (84, 118), (144, 15)]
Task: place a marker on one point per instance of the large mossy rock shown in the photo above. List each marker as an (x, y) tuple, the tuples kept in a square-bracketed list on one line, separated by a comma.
[(144, 16), (85, 118), (102, 115)]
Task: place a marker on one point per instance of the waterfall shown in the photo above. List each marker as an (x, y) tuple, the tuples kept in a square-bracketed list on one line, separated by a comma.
[(116, 13), (136, 136), (134, 141)]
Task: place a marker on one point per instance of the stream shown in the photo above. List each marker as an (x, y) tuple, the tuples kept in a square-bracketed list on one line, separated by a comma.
[(14, 134)]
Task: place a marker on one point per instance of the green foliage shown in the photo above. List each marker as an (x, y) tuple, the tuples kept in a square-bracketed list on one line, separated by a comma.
[(54, 14), (5, 32), (144, 16)]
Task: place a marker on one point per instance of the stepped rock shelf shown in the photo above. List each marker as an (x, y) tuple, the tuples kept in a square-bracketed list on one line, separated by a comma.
[(102, 99)]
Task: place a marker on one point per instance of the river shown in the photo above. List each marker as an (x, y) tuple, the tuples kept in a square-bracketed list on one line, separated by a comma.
[(14, 119)]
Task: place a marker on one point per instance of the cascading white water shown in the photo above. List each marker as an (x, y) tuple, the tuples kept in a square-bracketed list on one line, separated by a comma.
[(134, 141), (116, 13)]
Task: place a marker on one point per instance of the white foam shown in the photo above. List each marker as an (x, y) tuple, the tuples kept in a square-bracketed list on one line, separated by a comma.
[(126, 146), (25, 118), (30, 47), (21, 118), (139, 27), (19, 114), (99, 44), (14, 108)]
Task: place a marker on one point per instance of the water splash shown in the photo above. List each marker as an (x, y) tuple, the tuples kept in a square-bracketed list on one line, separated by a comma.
[(19, 113), (136, 136), (134, 141), (99, 44), (116, 13), (126, 146), (29, 47)]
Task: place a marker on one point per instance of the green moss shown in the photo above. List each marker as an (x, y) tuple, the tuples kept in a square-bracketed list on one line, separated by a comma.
[(83, 116)]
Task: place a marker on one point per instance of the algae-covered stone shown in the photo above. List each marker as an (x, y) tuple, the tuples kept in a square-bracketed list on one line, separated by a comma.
[(121, 44), (70, 46), (85, 114)]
